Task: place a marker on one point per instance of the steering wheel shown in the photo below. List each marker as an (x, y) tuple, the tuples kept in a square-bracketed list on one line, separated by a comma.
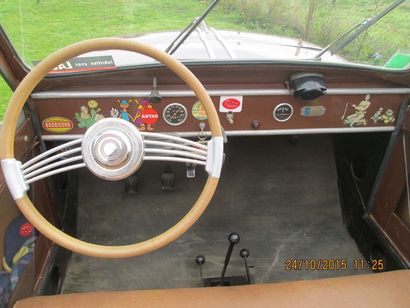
[(111, 149)]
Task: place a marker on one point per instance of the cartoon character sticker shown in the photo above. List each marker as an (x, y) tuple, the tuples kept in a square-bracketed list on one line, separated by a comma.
[(386, 118), (358, 118), (123, 112), (377, 116), (145, 117), (88, 115)]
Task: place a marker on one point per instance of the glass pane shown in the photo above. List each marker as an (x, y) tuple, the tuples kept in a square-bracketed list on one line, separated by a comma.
[(297, 29)]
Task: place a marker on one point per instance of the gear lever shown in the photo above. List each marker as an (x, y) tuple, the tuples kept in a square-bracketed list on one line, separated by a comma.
[(200, 260), (233, 239), (244, 253)]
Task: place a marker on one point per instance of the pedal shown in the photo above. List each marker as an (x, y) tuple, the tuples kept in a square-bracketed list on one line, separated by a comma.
[(190, 171), (168, 180), (131, 184)]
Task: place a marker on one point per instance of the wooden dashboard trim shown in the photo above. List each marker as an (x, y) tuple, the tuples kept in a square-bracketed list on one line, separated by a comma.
[(222, 92)]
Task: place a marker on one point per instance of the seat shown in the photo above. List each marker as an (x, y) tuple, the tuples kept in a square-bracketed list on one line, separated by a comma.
[(390, 289)]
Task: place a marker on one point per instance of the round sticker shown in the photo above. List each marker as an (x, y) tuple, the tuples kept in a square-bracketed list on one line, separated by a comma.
[(150, 116), (283, 112), (198, 111), (25, 229)]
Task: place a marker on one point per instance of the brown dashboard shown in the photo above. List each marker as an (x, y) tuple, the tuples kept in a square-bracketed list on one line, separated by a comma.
[(257, 113), (251, 100)]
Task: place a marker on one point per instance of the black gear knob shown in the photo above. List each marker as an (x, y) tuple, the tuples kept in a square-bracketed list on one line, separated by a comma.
[(200, 260), (234, 238), (244, 253)]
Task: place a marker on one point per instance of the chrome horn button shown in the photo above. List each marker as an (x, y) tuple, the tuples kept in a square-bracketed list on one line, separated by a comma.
[(113, 149)]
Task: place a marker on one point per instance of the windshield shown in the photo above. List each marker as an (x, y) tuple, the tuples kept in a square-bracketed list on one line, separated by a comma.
[(234, 30)]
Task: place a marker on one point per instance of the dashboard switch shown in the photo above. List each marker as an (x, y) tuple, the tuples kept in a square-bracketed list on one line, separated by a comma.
[(229, 117), (256, 124)]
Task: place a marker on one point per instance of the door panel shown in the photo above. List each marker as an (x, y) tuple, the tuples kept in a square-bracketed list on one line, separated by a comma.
[(389, 209)]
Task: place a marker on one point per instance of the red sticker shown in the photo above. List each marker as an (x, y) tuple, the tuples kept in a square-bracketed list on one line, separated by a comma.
[(26, 229), (150, 116), (231, 103)]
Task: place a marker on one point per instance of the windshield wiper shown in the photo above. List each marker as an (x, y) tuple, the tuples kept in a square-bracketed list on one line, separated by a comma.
[(180, 39), (348, 37)]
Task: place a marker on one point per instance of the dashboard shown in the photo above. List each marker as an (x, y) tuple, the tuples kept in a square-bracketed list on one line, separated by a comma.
[(246, 103)]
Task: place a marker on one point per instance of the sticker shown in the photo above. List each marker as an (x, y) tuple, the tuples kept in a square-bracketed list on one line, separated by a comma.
[(84, 64), (146, 115), (198, 111), (88, 115), (386, 118), (230, 104), (57, 125), (25, 229), (283, 112), (358, 118), (313, 111), (123, 112)]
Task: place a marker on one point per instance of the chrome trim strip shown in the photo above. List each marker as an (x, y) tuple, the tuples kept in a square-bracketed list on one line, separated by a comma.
[(273, 132), (224, 92)]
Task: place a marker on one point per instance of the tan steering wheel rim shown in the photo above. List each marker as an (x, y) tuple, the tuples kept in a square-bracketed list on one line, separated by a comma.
[(22, 94)]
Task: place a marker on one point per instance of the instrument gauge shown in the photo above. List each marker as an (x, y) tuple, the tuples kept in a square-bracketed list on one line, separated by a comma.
[(175, 114)]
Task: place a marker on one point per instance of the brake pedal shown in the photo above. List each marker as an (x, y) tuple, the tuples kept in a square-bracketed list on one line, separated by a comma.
[(190, 171), (131, 184), (168, 180)]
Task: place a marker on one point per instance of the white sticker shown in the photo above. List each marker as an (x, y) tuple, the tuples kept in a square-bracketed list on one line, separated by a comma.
[(230, 104)]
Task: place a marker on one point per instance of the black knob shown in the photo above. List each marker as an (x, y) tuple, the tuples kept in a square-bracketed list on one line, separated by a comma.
[(234, 238), (200, 260), (244, 253)]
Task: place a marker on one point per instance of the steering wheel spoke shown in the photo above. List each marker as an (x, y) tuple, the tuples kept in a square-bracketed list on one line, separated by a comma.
[(164, 147), (54, 161)]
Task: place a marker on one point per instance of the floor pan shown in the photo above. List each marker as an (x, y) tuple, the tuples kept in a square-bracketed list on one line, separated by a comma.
[(282, 199)]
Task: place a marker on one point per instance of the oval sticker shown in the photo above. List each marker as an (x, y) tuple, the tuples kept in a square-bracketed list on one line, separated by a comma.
[(25, 229), (57, 125), (231, 103)]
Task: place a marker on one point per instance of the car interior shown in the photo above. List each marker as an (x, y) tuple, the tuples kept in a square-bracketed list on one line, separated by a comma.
[(205, 183)]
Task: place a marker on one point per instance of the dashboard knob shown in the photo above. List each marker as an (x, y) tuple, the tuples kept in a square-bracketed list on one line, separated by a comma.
[(256, 124)]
